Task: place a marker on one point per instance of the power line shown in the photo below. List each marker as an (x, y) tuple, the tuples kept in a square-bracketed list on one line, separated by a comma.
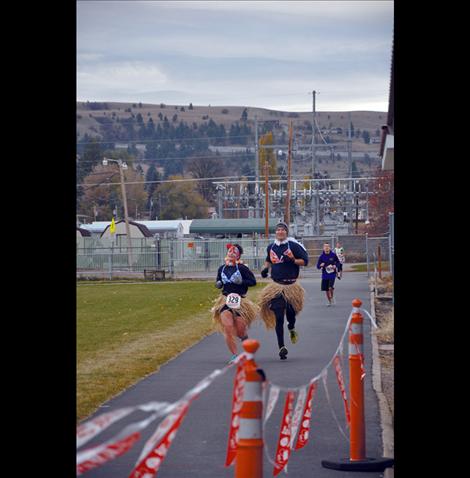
[(163, 140)]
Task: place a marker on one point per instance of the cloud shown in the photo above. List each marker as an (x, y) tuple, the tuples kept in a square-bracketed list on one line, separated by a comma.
[(123, 78), (234, 52)]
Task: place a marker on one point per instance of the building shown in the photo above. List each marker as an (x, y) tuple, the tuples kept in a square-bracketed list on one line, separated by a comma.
[(140, 229), (231, 228), (83, 232), (137, 231), (386, 152)]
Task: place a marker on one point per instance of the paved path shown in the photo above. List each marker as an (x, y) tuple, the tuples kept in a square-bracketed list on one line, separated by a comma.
[(200, 445)]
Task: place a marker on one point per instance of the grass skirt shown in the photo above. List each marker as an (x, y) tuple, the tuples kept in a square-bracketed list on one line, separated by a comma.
[(248, 311), (293, 293)]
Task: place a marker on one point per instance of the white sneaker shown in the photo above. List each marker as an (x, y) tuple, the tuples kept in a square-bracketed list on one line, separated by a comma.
[(333, 301), (328, 304)]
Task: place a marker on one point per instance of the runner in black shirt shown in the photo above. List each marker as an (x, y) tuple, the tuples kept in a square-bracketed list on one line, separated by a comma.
[(233, 312), (285, 296)]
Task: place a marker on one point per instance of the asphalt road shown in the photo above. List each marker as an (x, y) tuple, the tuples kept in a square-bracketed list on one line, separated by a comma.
[(200, 445)]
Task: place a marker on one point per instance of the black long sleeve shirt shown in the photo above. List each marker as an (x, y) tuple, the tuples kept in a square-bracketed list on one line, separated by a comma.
[(249, 279), (283, 269)]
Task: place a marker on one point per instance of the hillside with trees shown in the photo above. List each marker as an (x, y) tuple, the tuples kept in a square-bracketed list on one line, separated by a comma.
[(161, 141)]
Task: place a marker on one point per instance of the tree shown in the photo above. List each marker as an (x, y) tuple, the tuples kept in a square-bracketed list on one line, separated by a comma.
[(267, 154), (190, 106), (175, 118), (366, 136), (244, 116), (381, 202), (180, 200), (105, 198), (205, 168)]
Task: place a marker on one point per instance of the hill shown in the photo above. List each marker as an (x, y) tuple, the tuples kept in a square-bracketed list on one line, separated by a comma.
[(91, 114)]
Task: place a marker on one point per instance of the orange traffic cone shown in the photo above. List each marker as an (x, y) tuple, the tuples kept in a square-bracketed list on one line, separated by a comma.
[(357, 433), (249, 458)]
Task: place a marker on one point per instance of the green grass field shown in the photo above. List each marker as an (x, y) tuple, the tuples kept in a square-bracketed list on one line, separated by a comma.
[(126, 331), (363, 267)]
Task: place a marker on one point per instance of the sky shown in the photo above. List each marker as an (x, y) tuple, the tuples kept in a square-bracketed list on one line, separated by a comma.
[(267, 54)]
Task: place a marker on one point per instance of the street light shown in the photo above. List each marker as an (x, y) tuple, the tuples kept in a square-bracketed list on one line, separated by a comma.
[(123, 166)]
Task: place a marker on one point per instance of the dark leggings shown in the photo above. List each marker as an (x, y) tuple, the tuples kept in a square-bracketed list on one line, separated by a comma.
[(279, 306)]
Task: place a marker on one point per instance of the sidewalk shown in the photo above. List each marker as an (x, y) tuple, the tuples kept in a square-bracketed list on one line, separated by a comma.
[(200, 445)]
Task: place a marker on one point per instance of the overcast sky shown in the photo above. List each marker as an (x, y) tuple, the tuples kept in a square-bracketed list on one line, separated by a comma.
[(246, 53)]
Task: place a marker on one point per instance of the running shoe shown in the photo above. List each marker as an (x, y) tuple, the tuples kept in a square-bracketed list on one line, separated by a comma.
[(234, 356), (328, 303), (243, 338), (294, 336), (283, 353)]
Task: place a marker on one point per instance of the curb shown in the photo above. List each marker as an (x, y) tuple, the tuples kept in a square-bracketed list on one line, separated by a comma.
[(386, 422)]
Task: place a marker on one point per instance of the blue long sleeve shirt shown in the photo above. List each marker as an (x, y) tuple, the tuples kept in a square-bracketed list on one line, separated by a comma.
[(330, 259)]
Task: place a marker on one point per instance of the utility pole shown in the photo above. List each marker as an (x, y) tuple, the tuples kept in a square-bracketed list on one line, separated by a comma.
[(266, 192), (122, 165), (126, 216), (313, 137), (256, 167), (289, 169), (350, 167)]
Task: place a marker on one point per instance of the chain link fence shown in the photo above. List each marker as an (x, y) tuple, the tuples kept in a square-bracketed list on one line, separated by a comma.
[(145, 257)]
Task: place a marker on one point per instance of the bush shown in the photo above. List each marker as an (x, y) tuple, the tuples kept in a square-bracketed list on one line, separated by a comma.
[(225, 111)]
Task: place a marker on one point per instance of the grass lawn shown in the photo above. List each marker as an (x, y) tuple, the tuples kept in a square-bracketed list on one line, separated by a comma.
[(363, 267), (126, 331)]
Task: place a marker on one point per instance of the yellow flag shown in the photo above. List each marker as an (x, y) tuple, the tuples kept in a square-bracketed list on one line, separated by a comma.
[(112, 228)]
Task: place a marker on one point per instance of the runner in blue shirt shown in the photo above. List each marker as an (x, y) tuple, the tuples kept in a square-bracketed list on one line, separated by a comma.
[(328, 262)]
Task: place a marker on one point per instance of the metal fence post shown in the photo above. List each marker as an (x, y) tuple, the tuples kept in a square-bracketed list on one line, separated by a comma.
[(390, 241), (111, 262), (367, 255)]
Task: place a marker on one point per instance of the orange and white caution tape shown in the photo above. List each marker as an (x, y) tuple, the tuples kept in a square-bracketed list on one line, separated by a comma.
[(297, 415), (304, 431), (342, 388), (124, 440), (237, 402), (324, 376), (285, 435)]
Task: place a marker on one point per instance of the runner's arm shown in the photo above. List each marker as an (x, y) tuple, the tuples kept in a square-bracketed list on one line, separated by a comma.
[(248, 277)]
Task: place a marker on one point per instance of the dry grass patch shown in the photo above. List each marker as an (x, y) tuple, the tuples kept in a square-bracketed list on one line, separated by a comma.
[(127, 331), (385, 332)]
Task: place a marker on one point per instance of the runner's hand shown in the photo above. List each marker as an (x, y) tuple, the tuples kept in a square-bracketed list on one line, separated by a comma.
[(219, 284), (264, 272), (289, 255)]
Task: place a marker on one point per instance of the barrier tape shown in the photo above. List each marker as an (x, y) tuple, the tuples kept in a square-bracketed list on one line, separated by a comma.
[(304, 431), (149, 462), (283, 446), (272, 400), (298, 409), (237, 402), (331, 408), (339, 377), (99, 455), (123, 441)]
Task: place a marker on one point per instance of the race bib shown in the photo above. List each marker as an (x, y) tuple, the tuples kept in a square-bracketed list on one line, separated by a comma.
[(233, 301), (330, 269)]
